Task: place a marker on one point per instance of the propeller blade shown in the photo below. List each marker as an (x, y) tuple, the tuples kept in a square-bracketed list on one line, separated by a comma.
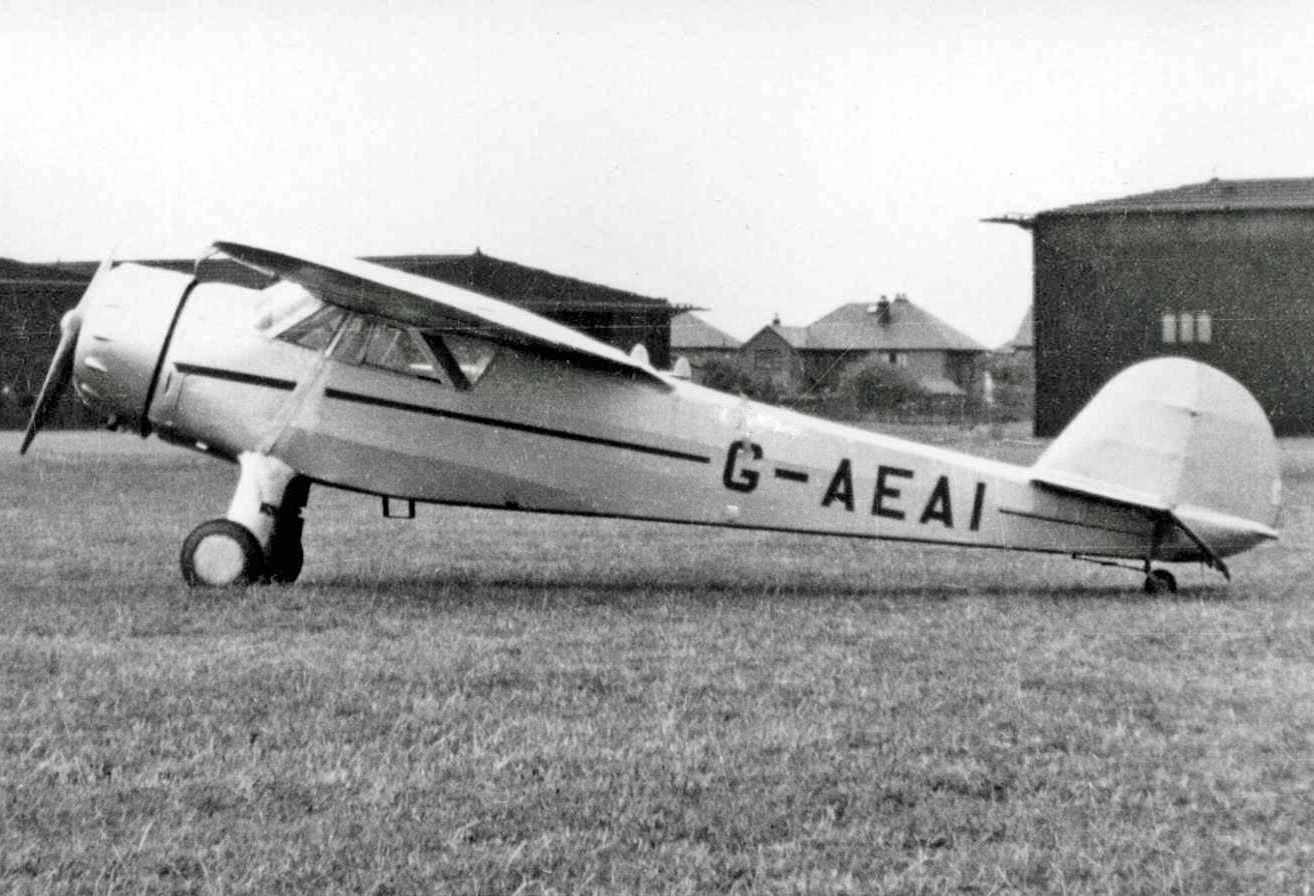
[(61, 366), (57, 377)]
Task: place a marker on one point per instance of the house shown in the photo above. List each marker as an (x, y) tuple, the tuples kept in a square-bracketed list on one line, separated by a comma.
[(698, 342), (816, 359), (1219, 271)]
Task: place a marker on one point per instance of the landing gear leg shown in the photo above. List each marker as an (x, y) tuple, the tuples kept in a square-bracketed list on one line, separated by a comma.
[(234, 550), (1158, 581)]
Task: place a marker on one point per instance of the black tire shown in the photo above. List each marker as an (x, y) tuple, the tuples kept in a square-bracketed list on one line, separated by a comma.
[(1160, 581), (285, 558), (219, 553)]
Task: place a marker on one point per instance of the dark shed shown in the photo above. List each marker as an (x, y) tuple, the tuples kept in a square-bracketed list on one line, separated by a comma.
[(1221, 271), (32, 300)]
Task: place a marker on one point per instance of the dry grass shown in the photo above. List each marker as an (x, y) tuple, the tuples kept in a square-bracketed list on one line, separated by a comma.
[(497, 703)]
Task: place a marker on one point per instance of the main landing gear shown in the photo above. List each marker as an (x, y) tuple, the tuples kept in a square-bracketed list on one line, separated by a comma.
[(259, 540)]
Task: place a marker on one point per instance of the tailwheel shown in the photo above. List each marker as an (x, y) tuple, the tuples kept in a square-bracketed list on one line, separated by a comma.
[(1160, 581), (219, 553)]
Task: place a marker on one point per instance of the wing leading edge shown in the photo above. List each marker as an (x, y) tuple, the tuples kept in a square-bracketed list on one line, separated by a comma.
[(429, 304)]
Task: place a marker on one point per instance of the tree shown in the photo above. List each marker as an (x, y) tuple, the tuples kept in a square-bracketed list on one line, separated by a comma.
[(877, 386), (1014, 378), (730, 375)]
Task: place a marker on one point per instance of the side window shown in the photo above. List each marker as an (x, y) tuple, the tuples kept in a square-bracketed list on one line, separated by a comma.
[(1186, 327), (374, 343), (1169, 334), (282, 304), (316, 331)]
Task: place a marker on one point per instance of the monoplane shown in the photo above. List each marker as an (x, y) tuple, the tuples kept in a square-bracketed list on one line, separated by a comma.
[(350, 375)]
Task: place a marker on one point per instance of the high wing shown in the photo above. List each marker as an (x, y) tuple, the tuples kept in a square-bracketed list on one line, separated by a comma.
[(430, 304)]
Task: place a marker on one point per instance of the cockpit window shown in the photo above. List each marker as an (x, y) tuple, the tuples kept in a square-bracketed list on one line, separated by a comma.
[(316, 331), (373, 343), (282, 304)]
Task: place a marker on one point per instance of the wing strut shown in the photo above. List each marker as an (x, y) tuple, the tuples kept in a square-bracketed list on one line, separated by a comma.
[(1212, 559)]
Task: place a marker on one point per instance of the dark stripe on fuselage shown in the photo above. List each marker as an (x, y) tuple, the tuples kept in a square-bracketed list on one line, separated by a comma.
[(236, 376), (374, 401)]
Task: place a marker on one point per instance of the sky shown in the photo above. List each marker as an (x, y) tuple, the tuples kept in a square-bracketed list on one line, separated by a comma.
[(752, 159)]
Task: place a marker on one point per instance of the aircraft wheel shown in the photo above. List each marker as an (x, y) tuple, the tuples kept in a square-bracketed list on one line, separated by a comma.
[(284, 560), (1160, 581), (221, 552)]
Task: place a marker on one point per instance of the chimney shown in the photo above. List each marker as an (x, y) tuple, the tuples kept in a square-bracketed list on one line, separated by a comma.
[(775, 320), (882, 310)]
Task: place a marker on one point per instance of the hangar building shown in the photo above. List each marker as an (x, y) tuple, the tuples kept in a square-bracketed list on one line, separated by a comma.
[(1221, 271), (34, 298)]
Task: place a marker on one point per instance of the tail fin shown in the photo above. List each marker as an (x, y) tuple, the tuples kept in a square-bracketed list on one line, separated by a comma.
[(1178, 438)]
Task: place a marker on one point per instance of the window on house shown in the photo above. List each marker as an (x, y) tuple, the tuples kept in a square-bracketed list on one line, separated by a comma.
[(766, 359), (898, 359), (1204, 327), (1169, 327)]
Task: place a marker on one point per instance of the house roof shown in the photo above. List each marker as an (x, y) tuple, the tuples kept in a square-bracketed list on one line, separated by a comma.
[(795, 337), (690, 332), (1025, 336), (862, 326), (1211, 195)]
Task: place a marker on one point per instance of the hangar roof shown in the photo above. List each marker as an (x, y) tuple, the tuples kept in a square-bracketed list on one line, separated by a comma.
[(533, 288), (1212, 195), (514, 282)]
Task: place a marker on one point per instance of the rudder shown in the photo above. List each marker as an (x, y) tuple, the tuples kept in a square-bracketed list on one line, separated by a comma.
[(1177, 436)]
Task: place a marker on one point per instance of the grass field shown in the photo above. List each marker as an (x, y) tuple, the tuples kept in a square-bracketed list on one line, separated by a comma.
[(493, 703)]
